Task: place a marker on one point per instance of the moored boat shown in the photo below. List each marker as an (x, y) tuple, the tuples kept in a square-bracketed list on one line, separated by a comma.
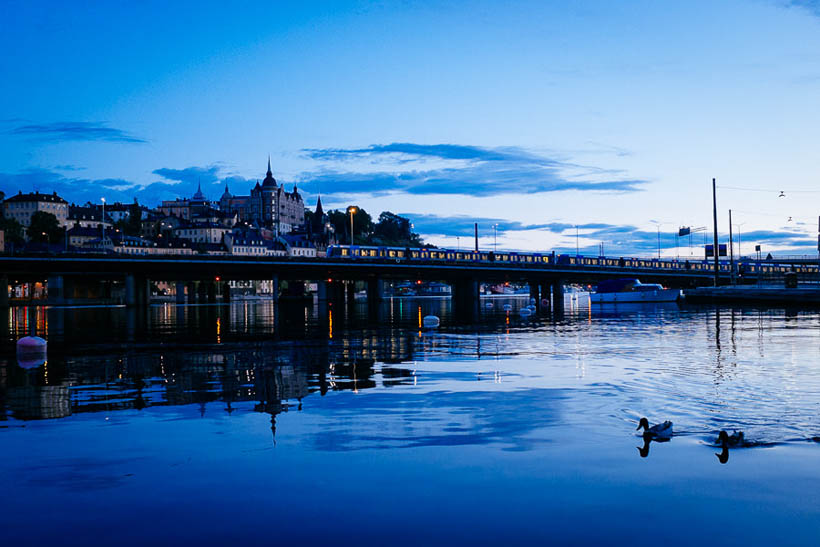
[(632, 291)]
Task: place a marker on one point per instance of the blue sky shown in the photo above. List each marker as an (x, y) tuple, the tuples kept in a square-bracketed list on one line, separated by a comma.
[(536, 116)]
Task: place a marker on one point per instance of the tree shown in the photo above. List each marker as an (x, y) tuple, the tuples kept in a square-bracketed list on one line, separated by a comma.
[(362, 224), (394, 230), (44, 228), (133, 225), (13, 230)]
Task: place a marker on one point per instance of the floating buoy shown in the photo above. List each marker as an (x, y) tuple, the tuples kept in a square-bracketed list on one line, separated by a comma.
[(531, 307), (525, 312), (31, 351), (532, 301), (431, 321), (545, 303), (488, 305), (507, 307)]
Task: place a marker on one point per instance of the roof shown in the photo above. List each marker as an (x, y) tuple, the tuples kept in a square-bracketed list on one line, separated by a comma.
[(35, 196), (269, 181)]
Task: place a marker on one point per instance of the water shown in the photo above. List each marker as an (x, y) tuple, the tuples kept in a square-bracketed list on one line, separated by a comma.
[(243, 423)]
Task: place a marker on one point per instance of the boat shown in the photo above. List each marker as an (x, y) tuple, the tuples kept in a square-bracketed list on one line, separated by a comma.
[(631, 290)]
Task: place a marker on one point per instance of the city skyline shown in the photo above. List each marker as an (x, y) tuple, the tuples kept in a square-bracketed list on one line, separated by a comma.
[(610, 118)]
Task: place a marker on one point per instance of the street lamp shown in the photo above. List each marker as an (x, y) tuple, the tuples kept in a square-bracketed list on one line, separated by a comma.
[(102, 220), (577, 247), (739, 252), (352, 210)]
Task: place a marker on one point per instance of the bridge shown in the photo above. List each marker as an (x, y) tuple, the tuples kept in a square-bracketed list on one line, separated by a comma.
[(70, 278)]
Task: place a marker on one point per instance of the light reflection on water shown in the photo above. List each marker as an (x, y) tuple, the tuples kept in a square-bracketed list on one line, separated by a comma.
[(527, 398)]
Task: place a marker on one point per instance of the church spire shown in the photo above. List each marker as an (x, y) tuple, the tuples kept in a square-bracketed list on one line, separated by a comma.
[(269, 173)]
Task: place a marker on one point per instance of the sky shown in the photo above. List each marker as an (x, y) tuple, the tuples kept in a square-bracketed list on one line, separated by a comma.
[(554, 125)]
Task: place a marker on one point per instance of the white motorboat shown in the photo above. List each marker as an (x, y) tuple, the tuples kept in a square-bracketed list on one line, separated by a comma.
[(632, 291)]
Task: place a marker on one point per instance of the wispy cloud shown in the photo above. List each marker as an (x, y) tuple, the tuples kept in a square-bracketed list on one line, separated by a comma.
[(75, 131), (190, 175), (618, 239), (454, 169), (812, 6)]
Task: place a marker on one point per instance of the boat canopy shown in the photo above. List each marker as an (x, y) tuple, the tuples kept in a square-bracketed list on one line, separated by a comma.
[(617, 285)]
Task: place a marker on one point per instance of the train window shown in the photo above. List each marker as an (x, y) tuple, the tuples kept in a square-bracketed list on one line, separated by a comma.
[(355, 252), (344, 252)]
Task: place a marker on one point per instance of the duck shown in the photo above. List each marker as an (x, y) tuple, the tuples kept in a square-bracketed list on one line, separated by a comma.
[(658, 432), (731, 441)]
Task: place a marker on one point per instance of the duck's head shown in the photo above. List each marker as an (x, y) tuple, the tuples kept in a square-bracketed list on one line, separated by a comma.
[(644, 423), (723, 437)]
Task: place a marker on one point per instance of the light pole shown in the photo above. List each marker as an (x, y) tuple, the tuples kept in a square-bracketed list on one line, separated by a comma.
[(739, 252), (352, 210), (458, 240), (577, 247), (495, 238), (102, 221)]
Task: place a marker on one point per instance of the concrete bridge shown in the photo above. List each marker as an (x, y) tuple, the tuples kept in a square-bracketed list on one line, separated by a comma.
[(70, 278)]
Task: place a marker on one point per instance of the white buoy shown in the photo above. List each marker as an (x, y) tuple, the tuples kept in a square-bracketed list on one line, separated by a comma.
[(507, 307), (430, 321), (31, 351), (488, 305), (525, 312)]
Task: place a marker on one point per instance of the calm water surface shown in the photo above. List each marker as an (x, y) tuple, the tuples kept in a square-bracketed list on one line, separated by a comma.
[(248, 423)]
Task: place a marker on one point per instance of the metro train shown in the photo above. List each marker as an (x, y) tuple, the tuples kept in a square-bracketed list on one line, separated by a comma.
[(436, 255)]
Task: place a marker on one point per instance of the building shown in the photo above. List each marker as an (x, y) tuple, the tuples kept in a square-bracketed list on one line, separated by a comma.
[(2, 243), (299, 245), (78, 235), (87, 216), (22, 206), (267, 205), (249, 243), (206, 232), (184, 208)]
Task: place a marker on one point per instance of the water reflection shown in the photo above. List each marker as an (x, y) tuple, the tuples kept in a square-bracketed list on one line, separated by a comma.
[(705, 368)]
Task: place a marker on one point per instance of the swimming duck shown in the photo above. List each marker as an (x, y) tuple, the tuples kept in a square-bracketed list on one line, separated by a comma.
[(658, 432), (731, 441)]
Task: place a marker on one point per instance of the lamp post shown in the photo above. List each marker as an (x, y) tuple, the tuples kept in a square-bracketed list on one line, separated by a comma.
[(352, 210), (102, 221), (577, 246)]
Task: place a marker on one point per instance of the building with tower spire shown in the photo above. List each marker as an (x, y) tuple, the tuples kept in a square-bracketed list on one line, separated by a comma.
[(268, 205)]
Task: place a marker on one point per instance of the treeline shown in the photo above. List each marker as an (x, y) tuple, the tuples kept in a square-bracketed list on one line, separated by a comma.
[(389, 230)]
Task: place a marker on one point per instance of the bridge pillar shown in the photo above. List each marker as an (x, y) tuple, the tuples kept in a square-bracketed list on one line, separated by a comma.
[(351, 292), (226, 292), (545, 295), (535, 295), (210, 287), (375, 290), (56, 290), (275, 288), (180, 292), (321, 290), (558, 296), (4, 291), (137, 291), (466, 299), (201, 292), (191, 290)]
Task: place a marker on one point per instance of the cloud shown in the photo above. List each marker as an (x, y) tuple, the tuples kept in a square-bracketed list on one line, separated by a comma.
[(618, 239), (812, 6), (455, 170), (75, 131), (190, 175)]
